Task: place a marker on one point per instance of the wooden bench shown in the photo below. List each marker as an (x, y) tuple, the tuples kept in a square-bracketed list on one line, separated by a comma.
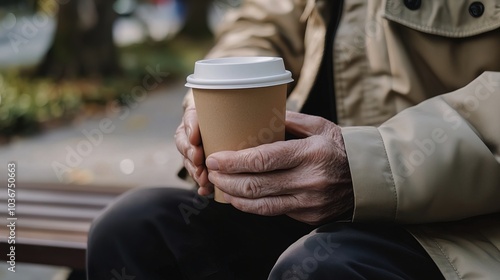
[(53, 221)]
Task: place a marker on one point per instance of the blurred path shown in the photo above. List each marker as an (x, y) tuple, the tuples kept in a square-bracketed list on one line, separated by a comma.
[(140, 151), (134, 147)]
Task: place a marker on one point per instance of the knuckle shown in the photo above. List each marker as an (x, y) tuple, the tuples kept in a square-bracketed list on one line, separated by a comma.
[(266, 208), (180, 142), (178, 135), (256, 160), (178, 131), (251, 188), (319, 148), (317, 122), (179, 147)]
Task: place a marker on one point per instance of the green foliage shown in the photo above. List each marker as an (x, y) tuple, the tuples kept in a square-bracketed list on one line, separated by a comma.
[(25, 104), (28, 105), (176, 56)]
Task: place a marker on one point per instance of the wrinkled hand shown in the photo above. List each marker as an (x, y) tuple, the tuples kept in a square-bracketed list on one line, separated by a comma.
[(188, 142), (307, 179)]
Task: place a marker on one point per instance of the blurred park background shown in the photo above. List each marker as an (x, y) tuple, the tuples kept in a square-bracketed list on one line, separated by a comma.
[(60, 59), (90, 96)]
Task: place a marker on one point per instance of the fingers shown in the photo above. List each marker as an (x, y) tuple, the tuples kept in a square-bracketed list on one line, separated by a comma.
[(188, 143), (181, 141), (193, 153), (260, 185), (200, 175), (291, 205), (206, 190), (303, 125), (206, 187), (266, 206), (188, 138), (191, 126), (264, 158), (274, 156)]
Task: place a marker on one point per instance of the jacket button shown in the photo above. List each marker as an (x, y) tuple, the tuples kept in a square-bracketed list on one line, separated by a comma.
[(476, 9), (413, 4)]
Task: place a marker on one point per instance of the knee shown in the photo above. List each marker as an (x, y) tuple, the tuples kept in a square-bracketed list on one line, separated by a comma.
[(132, 211), (315, 256), (356, 251)]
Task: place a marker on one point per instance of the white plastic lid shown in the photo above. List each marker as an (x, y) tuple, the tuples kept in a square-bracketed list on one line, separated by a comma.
[(239, 72)]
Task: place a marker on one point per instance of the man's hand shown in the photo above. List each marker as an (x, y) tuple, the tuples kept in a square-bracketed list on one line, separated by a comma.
[(188, 142), (307, 179)]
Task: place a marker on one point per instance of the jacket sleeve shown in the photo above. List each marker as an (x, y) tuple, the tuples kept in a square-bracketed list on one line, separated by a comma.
[(263, 28), (434, 162)]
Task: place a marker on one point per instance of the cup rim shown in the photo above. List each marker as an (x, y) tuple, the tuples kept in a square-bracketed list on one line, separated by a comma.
[(275, 80)]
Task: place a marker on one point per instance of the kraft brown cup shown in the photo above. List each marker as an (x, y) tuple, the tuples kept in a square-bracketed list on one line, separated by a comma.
[(236, 119), (240, 103)]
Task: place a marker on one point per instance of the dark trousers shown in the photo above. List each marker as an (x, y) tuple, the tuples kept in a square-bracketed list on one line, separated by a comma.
[(165, 233)]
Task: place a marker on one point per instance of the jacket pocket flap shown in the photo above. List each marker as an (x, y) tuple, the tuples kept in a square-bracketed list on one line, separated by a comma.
[(449, 18)]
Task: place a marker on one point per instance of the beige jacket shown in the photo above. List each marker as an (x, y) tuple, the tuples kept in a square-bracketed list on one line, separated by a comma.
[(420, 116)]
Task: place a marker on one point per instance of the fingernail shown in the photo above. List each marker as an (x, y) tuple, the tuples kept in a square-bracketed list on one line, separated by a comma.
[(212, 164), (188, 132)]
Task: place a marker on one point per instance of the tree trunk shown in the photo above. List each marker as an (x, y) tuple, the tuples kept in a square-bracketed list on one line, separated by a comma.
[(196, 23), (83, 45)]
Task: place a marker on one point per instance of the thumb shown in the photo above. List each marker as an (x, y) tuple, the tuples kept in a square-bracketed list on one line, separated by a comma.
[(304, 125)]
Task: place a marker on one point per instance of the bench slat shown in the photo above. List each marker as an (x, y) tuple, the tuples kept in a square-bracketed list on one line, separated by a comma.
[(52, 211), (53, 221), (58, 197), (52, 224)]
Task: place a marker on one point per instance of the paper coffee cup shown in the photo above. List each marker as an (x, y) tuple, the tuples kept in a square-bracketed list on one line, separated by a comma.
[(240, 102)]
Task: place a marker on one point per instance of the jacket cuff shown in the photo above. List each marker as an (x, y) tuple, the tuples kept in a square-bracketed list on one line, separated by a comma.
[(375, 196)]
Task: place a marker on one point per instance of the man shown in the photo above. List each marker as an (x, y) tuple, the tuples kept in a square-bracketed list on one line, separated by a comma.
[(406, 186)]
